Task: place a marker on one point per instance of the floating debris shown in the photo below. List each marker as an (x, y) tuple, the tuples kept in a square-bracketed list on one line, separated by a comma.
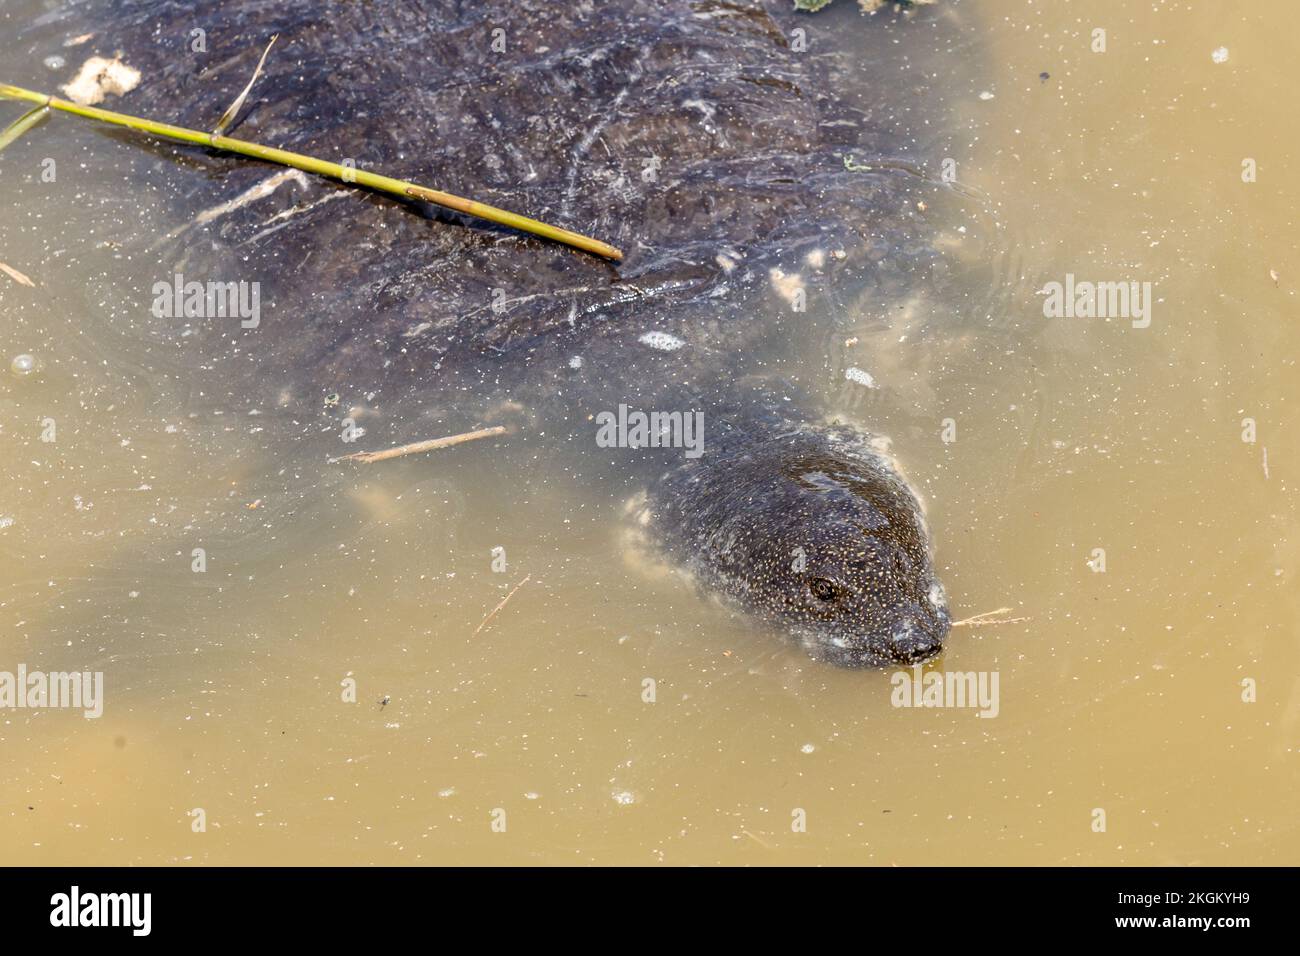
[(19, 127), (17, 276), (493, 612), (233, 109), (860, 376), (989, 618), (99, 78), (662, 341), (788, 286), (368, 457)]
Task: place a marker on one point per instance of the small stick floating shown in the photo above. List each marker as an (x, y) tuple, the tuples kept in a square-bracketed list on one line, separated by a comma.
[(367, 457), (988, 618), (17, 276), (320, 167), (493, 613)]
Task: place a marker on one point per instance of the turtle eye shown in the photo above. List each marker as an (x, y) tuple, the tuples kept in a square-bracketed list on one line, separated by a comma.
[(823, 590)]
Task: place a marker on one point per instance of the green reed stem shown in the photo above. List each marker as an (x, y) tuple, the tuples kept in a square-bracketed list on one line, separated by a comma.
[(320, 167)]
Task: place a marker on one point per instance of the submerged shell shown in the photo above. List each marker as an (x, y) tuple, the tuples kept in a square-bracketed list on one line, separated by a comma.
[(706, 139)]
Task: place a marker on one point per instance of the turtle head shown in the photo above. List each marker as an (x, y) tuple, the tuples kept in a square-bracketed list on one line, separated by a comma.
[(860, 588), (818, 532)]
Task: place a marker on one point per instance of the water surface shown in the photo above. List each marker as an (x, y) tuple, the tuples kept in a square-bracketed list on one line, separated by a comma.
[(1122, 690)]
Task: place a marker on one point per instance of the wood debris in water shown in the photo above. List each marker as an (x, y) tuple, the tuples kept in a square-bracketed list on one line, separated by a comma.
[(989, 618), (493, 613), (99, 77), (17, 276), (367, 457)]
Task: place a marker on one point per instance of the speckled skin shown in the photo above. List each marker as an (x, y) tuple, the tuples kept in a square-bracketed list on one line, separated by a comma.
[(745, 124), (811, 528)]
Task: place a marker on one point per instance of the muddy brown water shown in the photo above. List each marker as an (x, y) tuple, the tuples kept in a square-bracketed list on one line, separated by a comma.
[(1090, 474)]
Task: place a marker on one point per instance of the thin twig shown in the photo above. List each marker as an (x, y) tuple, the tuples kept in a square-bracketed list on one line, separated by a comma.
[(367, 457), (17, 276), (493, 612), (989, 618), (320, 167)]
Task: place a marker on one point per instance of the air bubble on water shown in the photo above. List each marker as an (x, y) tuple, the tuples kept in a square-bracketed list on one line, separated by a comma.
[(662, 341), (448, 792), (5, 522), (1220, 55), (986, 95), (624, 798), (23, 364), (575, 362), (532, 795), (55, 62), (807, 748)]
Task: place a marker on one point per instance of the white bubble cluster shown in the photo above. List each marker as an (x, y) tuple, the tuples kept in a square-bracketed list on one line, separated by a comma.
[(855, 374), (662, 341)]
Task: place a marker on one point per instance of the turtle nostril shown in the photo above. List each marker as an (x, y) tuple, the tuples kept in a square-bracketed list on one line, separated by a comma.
[(917, 636)]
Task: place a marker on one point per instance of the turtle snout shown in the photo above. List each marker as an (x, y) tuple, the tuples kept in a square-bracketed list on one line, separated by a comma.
[(918, 633)]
